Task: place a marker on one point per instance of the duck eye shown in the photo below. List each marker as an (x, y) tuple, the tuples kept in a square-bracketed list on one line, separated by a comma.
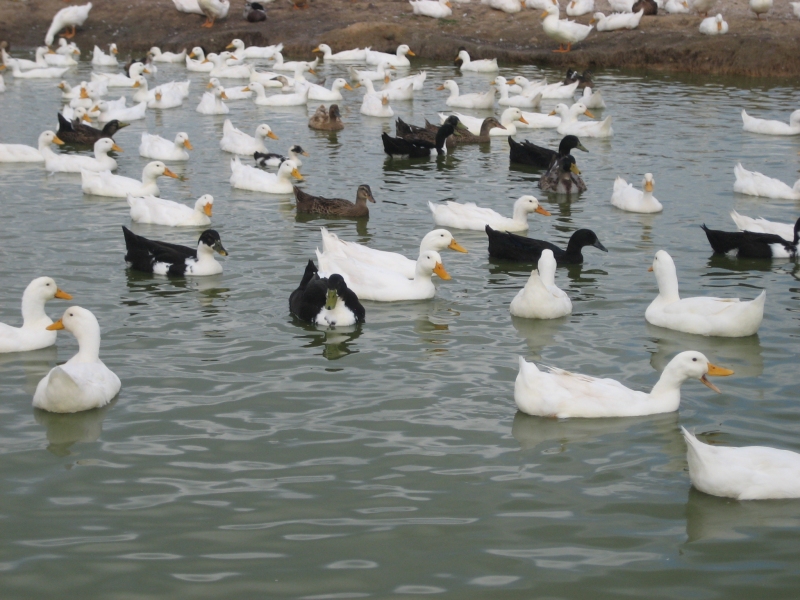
[(694, 359)]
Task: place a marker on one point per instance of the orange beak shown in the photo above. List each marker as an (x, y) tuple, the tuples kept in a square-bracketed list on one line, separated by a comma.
[(441, 272), (440, 88), (116, 148), (136, 84), (223, 95), (454, 245), (715, 371), (648, 186), (84, 94), (296, 174), (272, 135), (63, 295), (207, 209), (55, 326), (410, 53), (57, 140), (588, 114), (246, 89), (347, 86), (544, 15), (169, 173), (650, 269), (188, 145), (209, 86), (522, 120), (314, 50), (542, 211)]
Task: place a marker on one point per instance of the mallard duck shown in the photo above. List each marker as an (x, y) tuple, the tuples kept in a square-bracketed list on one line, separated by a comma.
[(245, 177), (212, 103), (578, 8), (748, 244), (157, 211), (626, 197), (754, 183), (109, 113), (161, 258), (355, 55), (563, 31), (325, 301), (75, 163), (714, 26), (101, 59), (677, 7), (437, 240), (371, 282), (541, 298), (457, 100), (563, 177), (39, 73), (319, 92), (746, 473), (507, 6), (743, 223), (78, 133), (771, 127), (723, 317), (479, 66), (398, 59), (584, 79), (570, 124), (273, 159), (510, 117), (83, 382), (213, 10), (70, 17), (306, 203), (617, 21), (465, 136), (562, 394), (117, 186), (508, 246), (759, 7), (528, 153), (236, 141), (327, 120), (158, 148), (167, 57), (254, 12), (240, 50), (471, 216), (419, 147), (33, 334), (22, 153)]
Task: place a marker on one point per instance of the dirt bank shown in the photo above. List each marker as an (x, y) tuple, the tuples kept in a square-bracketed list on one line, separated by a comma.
[(770, 47)]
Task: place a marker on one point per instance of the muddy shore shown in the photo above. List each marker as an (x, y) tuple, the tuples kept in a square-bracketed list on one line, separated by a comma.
[(766, 48)]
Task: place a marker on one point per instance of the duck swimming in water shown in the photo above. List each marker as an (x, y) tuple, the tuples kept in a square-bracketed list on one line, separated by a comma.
[(162, 258), (528, 153), (325, 300), (563, 177)]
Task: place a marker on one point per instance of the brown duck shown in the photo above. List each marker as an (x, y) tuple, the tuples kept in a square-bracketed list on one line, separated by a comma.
[(464, 136), (306, 203), (327, 120)]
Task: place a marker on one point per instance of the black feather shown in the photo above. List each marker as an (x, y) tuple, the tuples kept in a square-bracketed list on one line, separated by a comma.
[(510, 246)]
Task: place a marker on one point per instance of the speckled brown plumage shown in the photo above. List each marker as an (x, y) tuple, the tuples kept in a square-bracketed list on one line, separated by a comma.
[(327, 120)]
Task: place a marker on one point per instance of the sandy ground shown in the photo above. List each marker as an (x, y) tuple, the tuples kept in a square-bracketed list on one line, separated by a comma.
[(770, 47)]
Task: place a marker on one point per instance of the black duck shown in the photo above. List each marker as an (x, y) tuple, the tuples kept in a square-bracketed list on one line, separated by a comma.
[(325, 300), (510, 246)]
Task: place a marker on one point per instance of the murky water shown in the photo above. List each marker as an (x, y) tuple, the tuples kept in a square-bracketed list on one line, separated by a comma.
[(250, 456)]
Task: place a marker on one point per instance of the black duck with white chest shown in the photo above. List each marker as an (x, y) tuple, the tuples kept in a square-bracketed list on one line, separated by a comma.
[(306, 203), (509, 246), (528, 153), (750, 244), (325, 301), (563, 177), (162, 258)]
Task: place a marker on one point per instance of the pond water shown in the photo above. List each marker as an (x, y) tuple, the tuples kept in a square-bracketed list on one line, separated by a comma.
[(248, 455)]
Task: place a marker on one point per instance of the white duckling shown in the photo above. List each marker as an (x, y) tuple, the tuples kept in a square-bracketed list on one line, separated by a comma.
[(233, 93), (158, 148), (626, 197), (239, 49), (474, 100), (541, 298), (437, 240), (321, 93), (167, 57), (471, 216), (398, 59), (562, 394), (760, 7), (72, 17), (507, 6), (75, 163), (212, 103), (714, 25), (22, 153), (754, 183), (196, 61), (743, 223), (101, 59), (771, 127), (293, 65), (33, 334), (298, 98), (237, 141), (677, 7), (213, 10), (245, 177), (571, 125), (109, 113), (371, 282), (355, 55), (157, 211), (721, 317), (747, 473), (578, 8), (224, 71), (592, 99), (437, 9), (38, 73), (83, 382), (617, 21), (376, 105), (117, 186), (563, 31), (379, 73), (478, 66), (509, 119)]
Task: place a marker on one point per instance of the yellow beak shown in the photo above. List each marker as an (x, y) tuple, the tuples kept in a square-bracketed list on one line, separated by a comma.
[(169, 173), (57, 140), (316, 49), (544, 15), (272, 135), (648, 186), (63, 295), (230, 47), (188, 145), (136, 84), (521, 120), (223, 95), (588, 114), (246, 89), (542, 211), (410, 53), (296, 174), (207, 209), (454, 245), (347, 86), (55, 326), (440, 271), (116, 148), (209, 86), (717, 372)]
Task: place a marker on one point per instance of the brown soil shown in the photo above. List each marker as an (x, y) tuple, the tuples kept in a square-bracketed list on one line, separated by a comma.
[(769, 47)]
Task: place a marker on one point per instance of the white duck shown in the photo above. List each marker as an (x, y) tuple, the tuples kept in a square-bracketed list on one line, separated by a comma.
[(75, 163), (578, 8), (130, 113), (437, 9), (626, 197), (677, 7), (564, 395), (471, 216), (371, 282), (2, 84), (416, 81), (157, 211), (754, 183), (212, 103), (33, 334), (240, 92), (571, 125), (72, 17), (520, 101), (213, 10), (617, 21), (457, 100), (758, 6), (538, 121), (120, 79), (39, 73), (592, 99), (66, 48), (165, 97), (376, 105), (381, 72), (714, 25), (541, 298), (24, 64), (507, 6), (478, 66), (321, 93), (771, 127), (188, 6), (743, 223), (101, 59), (237, 141), (22, 153), (563, 31), (158, 148), (54, 59), (196, 61), (239, 49), (293, 65), (167, 57), (244, 177), (509, 119), (83, 382), (298, 98), (796, 8), (721, 317), (224, 71), (746, 473), (117, 186), (436, 240), (621, 6), (355, 55), (398, 59)]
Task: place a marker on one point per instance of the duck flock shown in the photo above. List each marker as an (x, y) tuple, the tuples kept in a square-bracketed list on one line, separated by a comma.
[(343, 274)]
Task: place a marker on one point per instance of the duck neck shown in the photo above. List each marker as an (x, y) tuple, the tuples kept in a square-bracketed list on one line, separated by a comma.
[(369, 85), (33, 311), (667, 280), (422, 275), (520, 214), (453, 92), (205, 254), (667, 392), (46, 151), (88, 344)]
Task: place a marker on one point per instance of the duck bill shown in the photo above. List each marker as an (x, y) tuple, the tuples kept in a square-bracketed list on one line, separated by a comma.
[(188, 145), (312, 71), (544, 15), (574, 168), (209, 86), (58, 141), (600, 246), (61, 294), (440, 88), (218, 247), (169, 173), (231, 47), (136, 84), (581, 147), (296, 174), (223, 95), (385, 100), (358, 85), (119, 124), (588, 114), (349, 87), (542, 211), (331, 299), (648, 187), (314, 50), (246, 89), (272, 135), (207, 208), (716, 371), (84, 94), (410, 53), (522, 120), (440, 271), (304, 153), (650, 269), (88, 120), (192, 55), (454, 245), (551, 113), (116, 148), (55, 326)]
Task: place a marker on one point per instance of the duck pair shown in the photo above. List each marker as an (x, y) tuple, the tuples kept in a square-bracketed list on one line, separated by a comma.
[(563, 175)]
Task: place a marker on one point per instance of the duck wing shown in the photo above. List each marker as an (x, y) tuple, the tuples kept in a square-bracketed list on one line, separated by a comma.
[(528, 153), (306, 203), (510, 246), (749, 244), (143, 253), (309, 298), (398, 146)]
